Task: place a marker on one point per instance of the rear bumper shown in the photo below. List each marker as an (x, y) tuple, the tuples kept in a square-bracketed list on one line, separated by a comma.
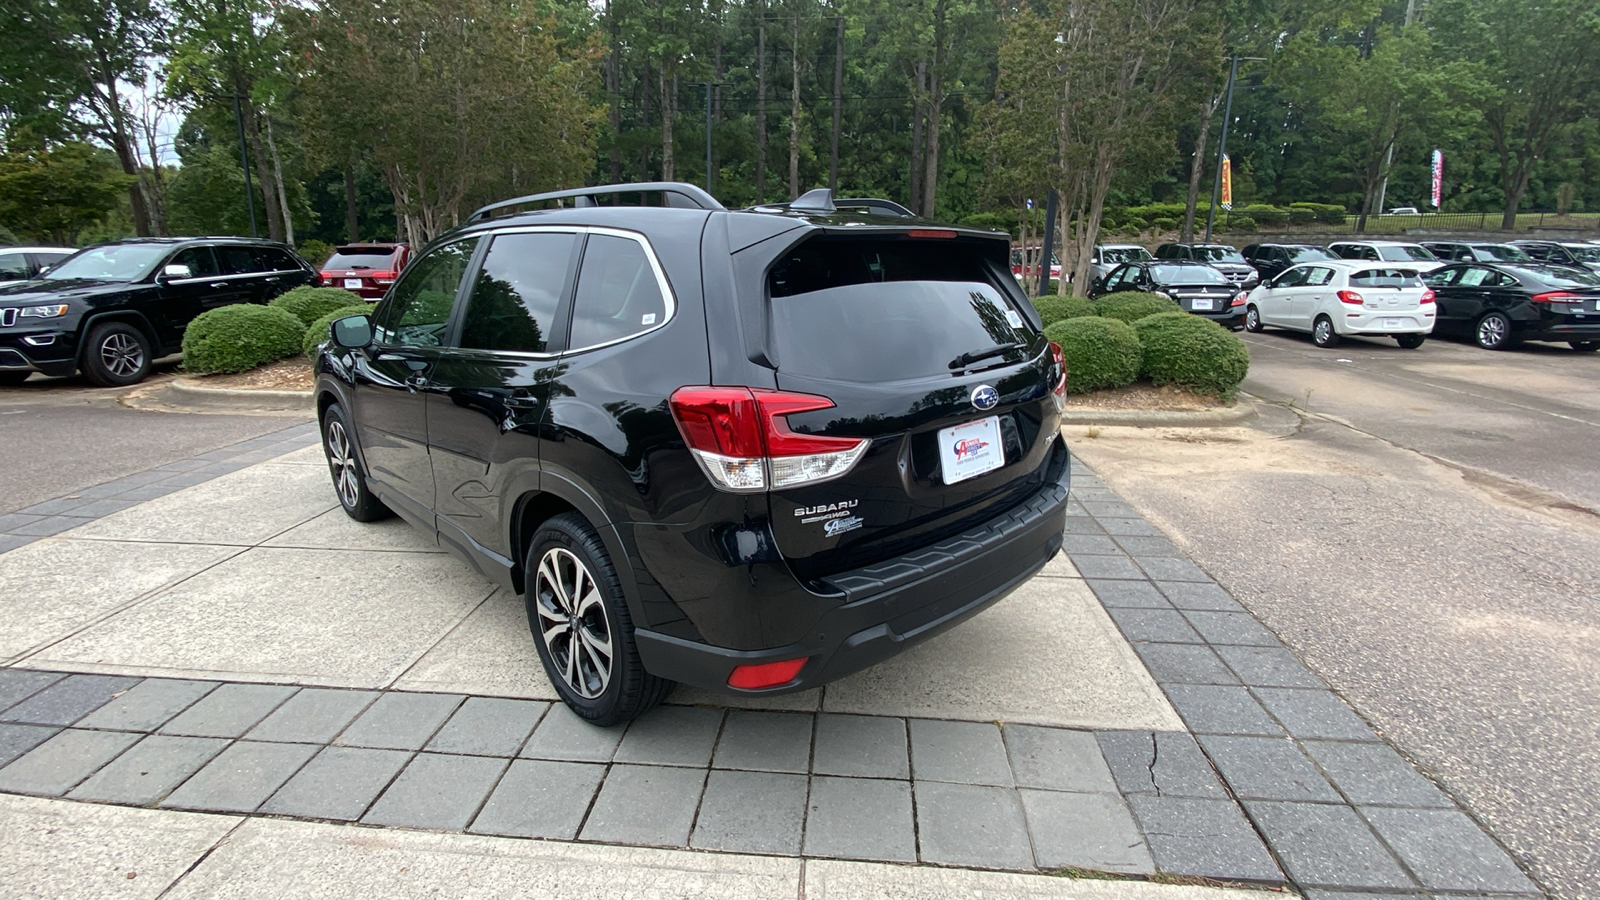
[(1232, 317), (889, 606), (1411, 321)]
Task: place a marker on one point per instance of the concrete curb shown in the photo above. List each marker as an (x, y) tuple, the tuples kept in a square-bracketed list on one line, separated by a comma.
[(181, 392), (1242, 410)]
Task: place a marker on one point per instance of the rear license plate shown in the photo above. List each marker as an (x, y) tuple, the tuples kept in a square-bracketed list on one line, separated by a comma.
[(352, 283), (1200, 303), (969, 450), (1391, 323)]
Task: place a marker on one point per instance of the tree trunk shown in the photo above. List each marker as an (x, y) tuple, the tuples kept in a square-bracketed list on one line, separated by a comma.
[(916, 138), (116, 125), (761, 115), (1197, 167), (794, 113), (352, 224), (644, 122), (930, 180), (277, 179), (269, 199), (1519, 186), (669, 111), (613, 90), (838, 100)]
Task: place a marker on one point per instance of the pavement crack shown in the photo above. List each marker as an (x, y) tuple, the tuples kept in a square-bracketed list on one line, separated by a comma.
[(1155, 756)]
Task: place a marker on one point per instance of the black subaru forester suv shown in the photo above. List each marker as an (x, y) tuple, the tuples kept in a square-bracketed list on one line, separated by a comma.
[(752, 451)]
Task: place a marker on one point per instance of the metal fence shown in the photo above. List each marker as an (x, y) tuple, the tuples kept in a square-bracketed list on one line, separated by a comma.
[(1424, 223)]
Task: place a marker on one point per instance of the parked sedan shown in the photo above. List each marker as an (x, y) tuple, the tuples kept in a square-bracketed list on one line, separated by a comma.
[(1197, 287), (1474, 251), (1341, 298), (1271, 260), (1500, 305)]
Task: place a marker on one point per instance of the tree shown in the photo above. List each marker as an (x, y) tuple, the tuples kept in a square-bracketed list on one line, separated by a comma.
[(52, 194)]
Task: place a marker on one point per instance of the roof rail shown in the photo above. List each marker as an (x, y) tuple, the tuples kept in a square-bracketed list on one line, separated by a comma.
[(696, 196)]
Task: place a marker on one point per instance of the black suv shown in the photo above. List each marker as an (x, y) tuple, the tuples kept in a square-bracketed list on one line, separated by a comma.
[(749, 451), (111, 309), (1222, 257), (1272, 260)]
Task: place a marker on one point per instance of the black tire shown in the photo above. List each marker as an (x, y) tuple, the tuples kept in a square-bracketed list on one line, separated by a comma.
[(1410, 341), (1252, 319), (1584, 346), (1493, 332), (566, 558), (349, 478), (1322, 333), (115, 354), (13, 379)]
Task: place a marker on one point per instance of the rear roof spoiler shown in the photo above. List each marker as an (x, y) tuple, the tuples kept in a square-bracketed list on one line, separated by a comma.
[(676, 193)]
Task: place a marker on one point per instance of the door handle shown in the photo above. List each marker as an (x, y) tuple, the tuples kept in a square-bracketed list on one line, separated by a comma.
[(522, 400), (219, 284)]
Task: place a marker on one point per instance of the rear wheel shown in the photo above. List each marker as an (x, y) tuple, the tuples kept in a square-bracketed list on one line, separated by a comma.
[(116, 354), (1322, 333), (1409, 341), (1493, 332), (1584, 346), (349, 480), (581, 625), (1252, 319)]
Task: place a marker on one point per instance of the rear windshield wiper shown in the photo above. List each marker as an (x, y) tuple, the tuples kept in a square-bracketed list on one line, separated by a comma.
[(967, 359)]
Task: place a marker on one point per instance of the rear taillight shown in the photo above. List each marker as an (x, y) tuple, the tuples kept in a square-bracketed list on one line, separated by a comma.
[(1557, 297), (1427, 296), (383, 277), (1351, 297), (1060, 356), (742, 440), (1238, 299)]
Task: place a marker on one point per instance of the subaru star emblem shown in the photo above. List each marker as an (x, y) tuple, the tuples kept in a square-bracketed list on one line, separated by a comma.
[(985, 397)]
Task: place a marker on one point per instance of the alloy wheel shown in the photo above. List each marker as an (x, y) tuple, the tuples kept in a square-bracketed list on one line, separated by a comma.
[(1324, 331), (121, 354), (1492, 331), (343, 463), (572, 622)]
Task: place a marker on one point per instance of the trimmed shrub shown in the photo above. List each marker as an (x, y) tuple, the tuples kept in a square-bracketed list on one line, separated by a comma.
[(1325, 213), (1193, 352), (1130, 306), (1057, 309), (1165, 224), (1100, 353), (1239, 223), (1301, 217), (1269, 216), (239, 337), (309, 304), (317, 331), (315, 252)]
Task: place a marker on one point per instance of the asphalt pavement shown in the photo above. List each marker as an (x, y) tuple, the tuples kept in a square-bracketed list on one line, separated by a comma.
[(58, 435), (1420, 527)]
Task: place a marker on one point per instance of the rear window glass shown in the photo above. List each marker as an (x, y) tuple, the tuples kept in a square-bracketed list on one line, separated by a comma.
[(1501, 252), (1188, 275), (360, 258), (1385, 278), (1405, 252)]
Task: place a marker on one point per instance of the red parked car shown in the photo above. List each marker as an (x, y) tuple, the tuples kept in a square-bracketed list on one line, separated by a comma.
[(366, 269)]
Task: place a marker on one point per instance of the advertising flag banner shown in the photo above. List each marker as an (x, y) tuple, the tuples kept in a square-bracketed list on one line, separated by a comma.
[(1438, 176), (1227, 182)]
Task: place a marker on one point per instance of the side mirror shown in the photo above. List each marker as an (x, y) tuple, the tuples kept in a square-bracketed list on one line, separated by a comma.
[(175, 270), (352, 332)]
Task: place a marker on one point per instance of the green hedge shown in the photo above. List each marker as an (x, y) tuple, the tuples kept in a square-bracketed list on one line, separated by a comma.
[(1130, 306), (239, 337), (1238, 223), (1193, 352), (317, 331), (1100, 353), (309, 304), (1326, 213), (1057, 309)]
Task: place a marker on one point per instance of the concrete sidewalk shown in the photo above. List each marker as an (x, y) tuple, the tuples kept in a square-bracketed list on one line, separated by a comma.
[(236, 645)]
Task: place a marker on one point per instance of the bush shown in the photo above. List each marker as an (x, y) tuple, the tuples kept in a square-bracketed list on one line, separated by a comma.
[(309, 304), (1057, 309), (1269, 216), (1325, 213), (315, 252), (317, 331), (239, 337), (1239, 223), (1193, 352), (1165, 224), (1301, 217), (1100, 353), (1130, 306)]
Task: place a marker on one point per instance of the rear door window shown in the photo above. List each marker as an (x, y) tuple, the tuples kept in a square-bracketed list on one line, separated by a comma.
[(238, 260), (619, 293), (1318, 276), (517, 292)]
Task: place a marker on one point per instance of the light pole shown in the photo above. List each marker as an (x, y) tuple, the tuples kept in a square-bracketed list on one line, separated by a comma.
[(709, 85), (1222, 142), (244, 160)]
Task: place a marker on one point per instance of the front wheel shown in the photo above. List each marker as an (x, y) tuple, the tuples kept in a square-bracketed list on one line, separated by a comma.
[(581, 625), (1252, 319), (1584, 346), (1409, 341), (349, 480), (116, 354), (1493, 331), (1322, 333)]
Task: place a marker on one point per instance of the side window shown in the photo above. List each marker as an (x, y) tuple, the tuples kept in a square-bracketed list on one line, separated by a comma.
[(238, 259), (618, 294), (1118, 277), (14, 266), (1293, 278), (1318, 276), (271, 259), (199, 260), (1442, 278), (515, 296), (418, 309), (1475, 277)]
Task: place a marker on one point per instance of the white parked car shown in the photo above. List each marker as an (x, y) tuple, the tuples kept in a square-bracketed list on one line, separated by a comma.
[(18, 264), (1415, 256), (1343, 298)]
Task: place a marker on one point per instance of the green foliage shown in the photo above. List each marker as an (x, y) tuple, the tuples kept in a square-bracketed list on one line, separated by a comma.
[(317, 332), (1100, 353), (315, 252), (1165, 224), (1262, 214), (309, 304), (1056, 309), (1192, 352), (1238, 223), (53, 194), (239, 337), (1130, 306), (1322, 213), (7, 237)]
